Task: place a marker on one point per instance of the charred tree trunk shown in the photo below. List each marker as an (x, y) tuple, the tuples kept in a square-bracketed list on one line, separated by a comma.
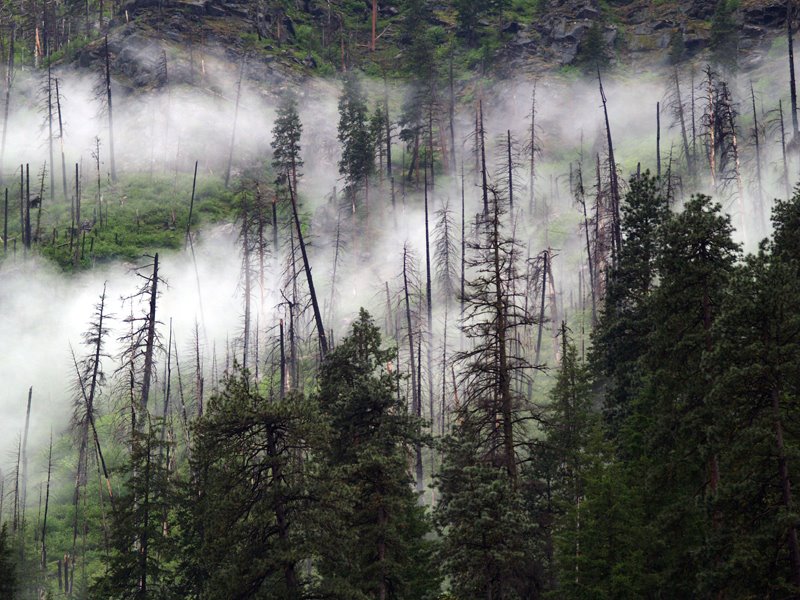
[(786, 184), (150, 339), (484, 183), (235, 119), (191, 205), (323, 340), (429, 302), (759, 185), (415, 400), (7, 103), (792, 82), (61, 142), (612, 178), (112, 164)]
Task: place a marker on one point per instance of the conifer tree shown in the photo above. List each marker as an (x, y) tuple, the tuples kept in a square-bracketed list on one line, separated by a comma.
[(8, 571), (486, 525), (381, 550), (357, 162), (286, 159), (254, 511)]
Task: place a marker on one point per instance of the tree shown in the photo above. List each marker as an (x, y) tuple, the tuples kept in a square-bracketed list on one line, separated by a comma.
[(253, 510), (489, 540), (724, 41), (593, 51), (620, 339), (286, 134), (380, 551), (357, 162), (8, 570), (674, 429), (143, 547)]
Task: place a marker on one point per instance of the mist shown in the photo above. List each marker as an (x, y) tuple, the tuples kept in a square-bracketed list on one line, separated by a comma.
[(43, 311)]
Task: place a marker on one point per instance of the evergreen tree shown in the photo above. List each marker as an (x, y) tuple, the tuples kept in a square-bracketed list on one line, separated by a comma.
[(620, 339), (286, 134), (593, 52), (143, 547), (674, 426), (8, 570), (380, 551), (490, 544), (252, 510), (357, 162), (724, 40)]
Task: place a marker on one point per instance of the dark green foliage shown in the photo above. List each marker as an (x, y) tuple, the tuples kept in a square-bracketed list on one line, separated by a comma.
[(724, 41), (143, 548), (252, 507), (593, 52), (357, 162), (621, 335), (8, 569), (286, 160), (379, 547), (491, 543)]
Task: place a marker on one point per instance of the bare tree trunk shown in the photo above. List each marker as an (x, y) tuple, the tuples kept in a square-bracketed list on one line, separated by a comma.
[(429, 301), (415, 399), (61, 142), (510, 173), (50, 128), (658, 140), (612, 168), (235, 119), (484, 184), (46, 505), (7, 103), (792, 83), (682, 120), (757, 135), (24, 494), (151, 338), (110, 113), (191, 204), (786, 185), (315, 305)]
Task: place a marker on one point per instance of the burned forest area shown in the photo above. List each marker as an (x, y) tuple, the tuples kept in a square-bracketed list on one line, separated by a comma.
[(399, 299)]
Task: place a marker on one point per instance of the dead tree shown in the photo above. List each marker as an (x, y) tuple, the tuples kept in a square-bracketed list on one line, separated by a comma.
[(323, 340), (61, 141), (235, 120), (410, 288), (616, 236), (580, 198), (7, 103), (482, 138), (759, 185), (142, 340), (110, 110), (792, 83), (676, 106)]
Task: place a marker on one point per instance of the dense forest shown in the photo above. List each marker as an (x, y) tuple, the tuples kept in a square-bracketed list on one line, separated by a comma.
[(349, 303)]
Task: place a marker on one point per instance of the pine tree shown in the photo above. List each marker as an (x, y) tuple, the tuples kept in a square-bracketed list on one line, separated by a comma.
[(620, 339), (286, 132), (380, 551), (357, 162), (724, 40), (143, 548), (489, 543), (253, 506), (674, 428), (8, 570)]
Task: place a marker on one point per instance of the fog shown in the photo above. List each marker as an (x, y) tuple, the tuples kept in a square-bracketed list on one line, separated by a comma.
[(43, 311)]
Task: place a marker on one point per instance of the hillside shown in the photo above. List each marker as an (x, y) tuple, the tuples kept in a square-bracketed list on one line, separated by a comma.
[(505, 307)]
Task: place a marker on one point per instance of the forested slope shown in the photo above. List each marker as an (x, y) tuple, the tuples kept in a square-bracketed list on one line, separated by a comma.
[(485, 300)]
